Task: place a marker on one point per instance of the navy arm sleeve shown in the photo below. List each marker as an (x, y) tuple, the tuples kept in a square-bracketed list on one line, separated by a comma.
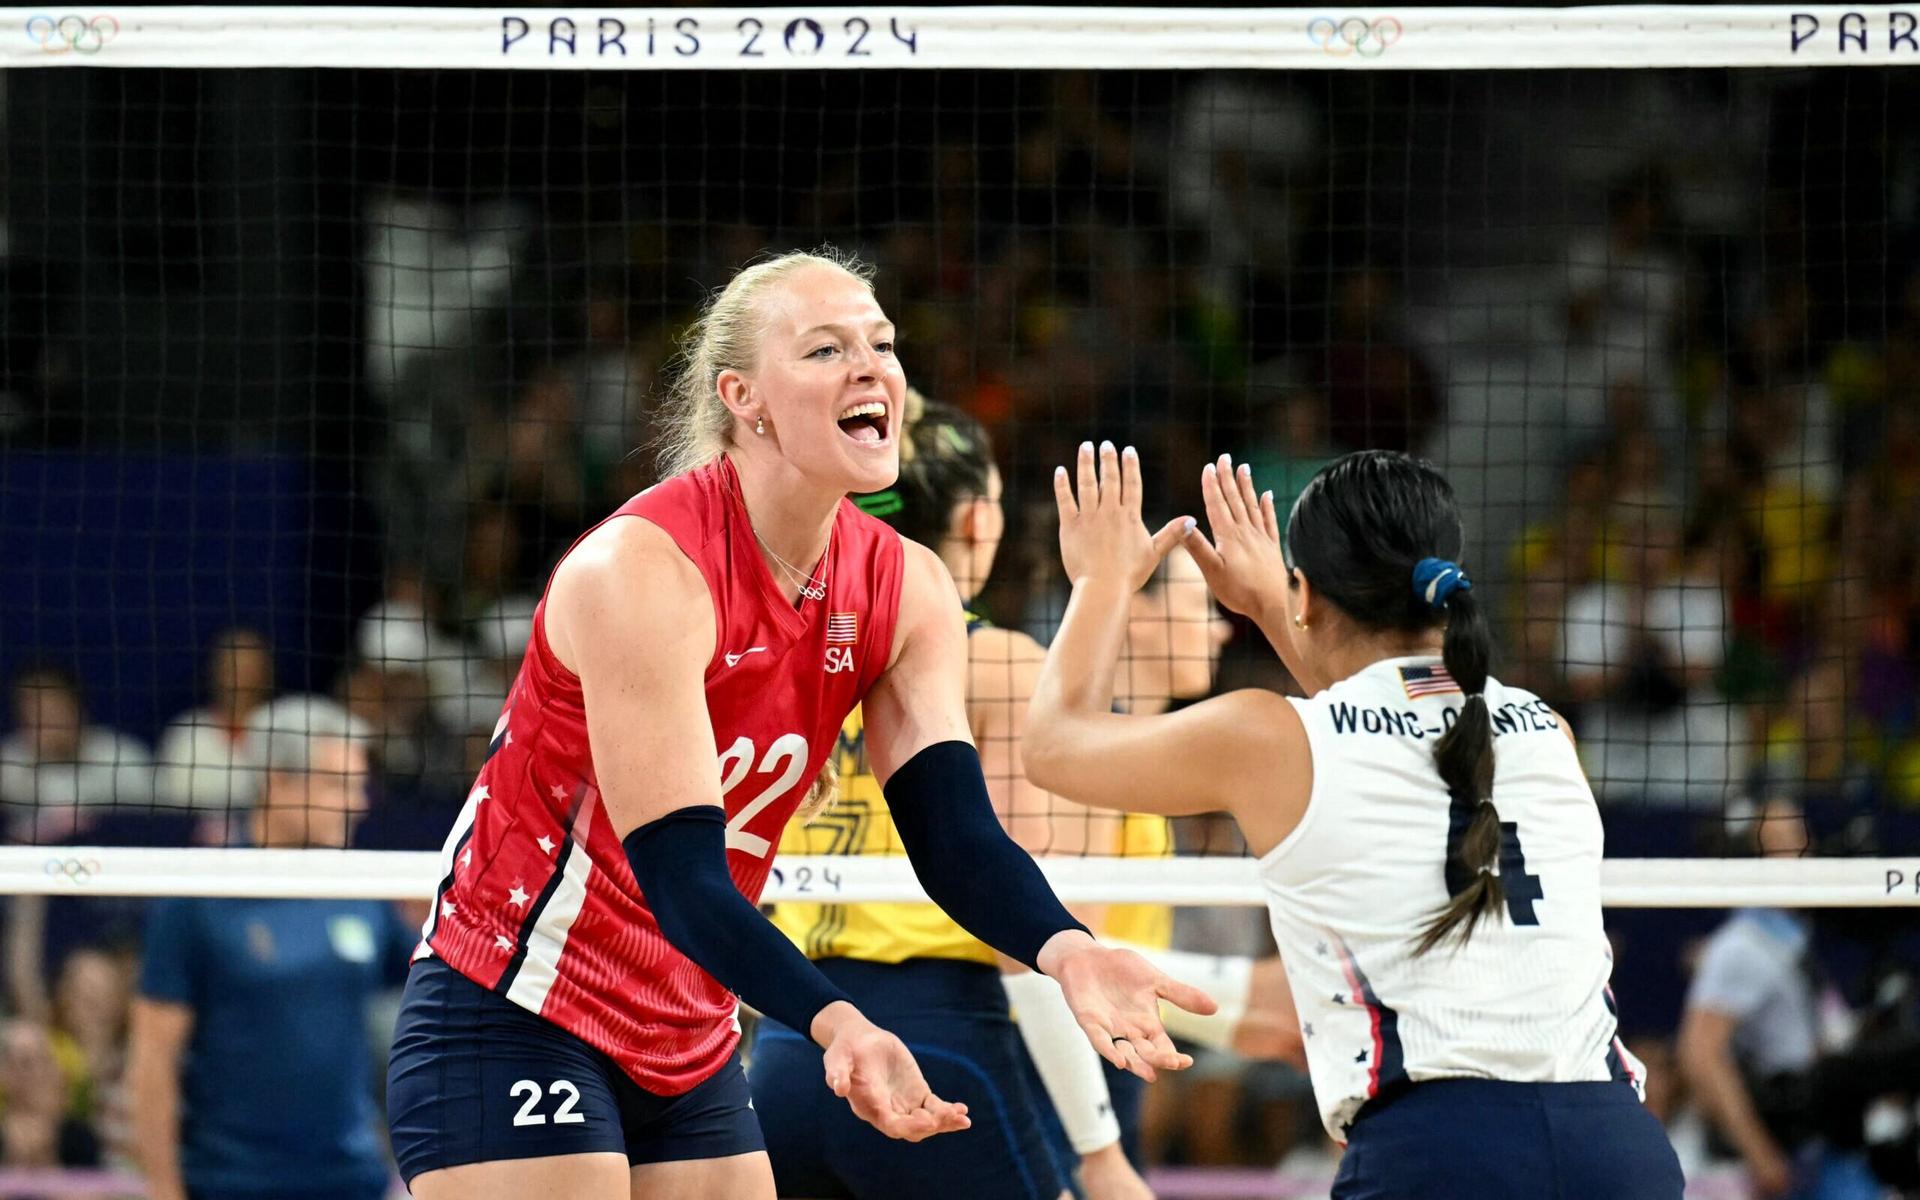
[(964, 858), (680, 862)]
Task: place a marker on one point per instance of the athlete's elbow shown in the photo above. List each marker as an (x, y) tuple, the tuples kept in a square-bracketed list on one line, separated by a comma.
[(1043, 751)]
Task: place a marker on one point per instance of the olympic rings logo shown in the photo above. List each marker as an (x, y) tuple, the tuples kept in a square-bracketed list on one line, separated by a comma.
[(74, 870), (1354, 35), (72, 33)]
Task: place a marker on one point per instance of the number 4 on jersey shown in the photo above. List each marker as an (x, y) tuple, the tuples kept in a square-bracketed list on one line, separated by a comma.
[(1521, 888)]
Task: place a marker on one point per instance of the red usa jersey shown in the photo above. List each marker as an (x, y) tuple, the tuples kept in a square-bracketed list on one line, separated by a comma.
[(536, 899)]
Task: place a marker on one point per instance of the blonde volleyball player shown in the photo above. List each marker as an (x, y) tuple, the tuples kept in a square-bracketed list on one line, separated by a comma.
[(568, 1028), (1429, 845), (928, 980)]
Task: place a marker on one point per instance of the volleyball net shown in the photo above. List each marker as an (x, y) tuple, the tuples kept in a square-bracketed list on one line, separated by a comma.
[(329, 328)]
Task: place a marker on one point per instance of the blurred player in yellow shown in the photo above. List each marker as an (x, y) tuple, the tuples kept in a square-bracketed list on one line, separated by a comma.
[(944, 989)]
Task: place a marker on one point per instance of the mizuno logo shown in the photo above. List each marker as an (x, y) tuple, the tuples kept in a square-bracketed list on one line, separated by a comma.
[(733, 658)]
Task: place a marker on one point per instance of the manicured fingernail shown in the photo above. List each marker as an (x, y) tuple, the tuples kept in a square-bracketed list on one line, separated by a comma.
[(1106, 447), (1086, 447), (1059, 472), (1130, 452), (1268, 497), (1208, 470), (1246, 472), (1187, 529)]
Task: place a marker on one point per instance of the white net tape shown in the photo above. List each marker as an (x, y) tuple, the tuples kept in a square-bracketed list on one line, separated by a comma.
[(994, 37), (367, 874)]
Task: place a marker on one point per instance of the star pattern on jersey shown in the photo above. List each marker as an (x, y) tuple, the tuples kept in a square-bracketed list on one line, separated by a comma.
[(1339, 998), (466, 857), (509, 740), (447, 908), (517, 897), (1321, 949), (1360, 1057), (558, 791), (545, 843), (1307, 1029), (503, 941), (480, 793)]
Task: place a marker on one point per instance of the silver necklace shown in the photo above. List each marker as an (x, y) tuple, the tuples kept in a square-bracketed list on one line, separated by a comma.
[(810, 587)]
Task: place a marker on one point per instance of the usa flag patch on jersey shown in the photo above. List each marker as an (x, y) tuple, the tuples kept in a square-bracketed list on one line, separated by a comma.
[(842, 628), (1426, 681)]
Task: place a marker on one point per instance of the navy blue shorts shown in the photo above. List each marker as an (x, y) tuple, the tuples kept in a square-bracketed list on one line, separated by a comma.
[(476, 1078), (1450, 1138), (953, 1016)]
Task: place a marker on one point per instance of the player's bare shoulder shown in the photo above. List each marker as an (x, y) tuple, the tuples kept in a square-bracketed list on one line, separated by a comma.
[(1002, 665), (625, 574)]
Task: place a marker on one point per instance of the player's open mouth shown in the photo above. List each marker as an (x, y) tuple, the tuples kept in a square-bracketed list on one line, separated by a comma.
[(866, 423)]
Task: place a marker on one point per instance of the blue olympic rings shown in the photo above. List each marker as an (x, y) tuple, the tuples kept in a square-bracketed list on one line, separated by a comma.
[(72, 33), (1354, 35)]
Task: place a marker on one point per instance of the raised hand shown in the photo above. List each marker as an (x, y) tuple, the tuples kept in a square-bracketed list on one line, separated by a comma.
[(1115, 995), (875, 1073), (1101, 534), (1242, 564)]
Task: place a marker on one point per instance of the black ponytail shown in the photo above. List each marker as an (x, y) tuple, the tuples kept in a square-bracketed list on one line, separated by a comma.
[(1378, 533), (1464, 755)]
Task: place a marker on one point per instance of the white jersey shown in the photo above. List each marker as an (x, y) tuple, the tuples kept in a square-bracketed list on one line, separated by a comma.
[(1350, 889)]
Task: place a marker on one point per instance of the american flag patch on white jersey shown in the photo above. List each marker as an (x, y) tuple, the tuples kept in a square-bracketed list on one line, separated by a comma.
[(1426, 681), (843, 628)]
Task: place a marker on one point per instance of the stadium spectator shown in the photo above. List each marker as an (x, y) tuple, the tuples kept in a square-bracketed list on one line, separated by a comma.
[(1236, 171), (57, 771), (1625, 288), (1769, 1047), (89, 1030), (249, 1073), (1639, 648), (403, 662), (1381, 393), (1289, 430), (36, 1128), (202, 755)]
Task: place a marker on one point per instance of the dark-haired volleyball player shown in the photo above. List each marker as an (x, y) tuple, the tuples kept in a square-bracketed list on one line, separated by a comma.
[(569, 1029), (920, 974), (1429, 845)]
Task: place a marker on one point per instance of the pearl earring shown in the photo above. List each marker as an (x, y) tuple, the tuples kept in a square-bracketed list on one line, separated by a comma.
[(760, 426)]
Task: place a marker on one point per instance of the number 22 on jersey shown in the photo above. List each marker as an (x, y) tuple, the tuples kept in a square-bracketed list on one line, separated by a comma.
[(785, 759)]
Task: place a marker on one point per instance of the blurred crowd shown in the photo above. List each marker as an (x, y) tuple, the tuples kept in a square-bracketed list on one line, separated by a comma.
[(1692, 455)]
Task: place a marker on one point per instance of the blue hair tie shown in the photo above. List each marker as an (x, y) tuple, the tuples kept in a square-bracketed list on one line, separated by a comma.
[(1435, 580)]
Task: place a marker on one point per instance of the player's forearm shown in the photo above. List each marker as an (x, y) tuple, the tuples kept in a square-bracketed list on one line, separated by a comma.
[(1068, 1067), (155, 1098), (965, 860), (680, 863), (1077, 679), (1724, 1097)]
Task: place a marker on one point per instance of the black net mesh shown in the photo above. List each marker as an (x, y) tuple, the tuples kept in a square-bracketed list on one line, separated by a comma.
[(310, 375)]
